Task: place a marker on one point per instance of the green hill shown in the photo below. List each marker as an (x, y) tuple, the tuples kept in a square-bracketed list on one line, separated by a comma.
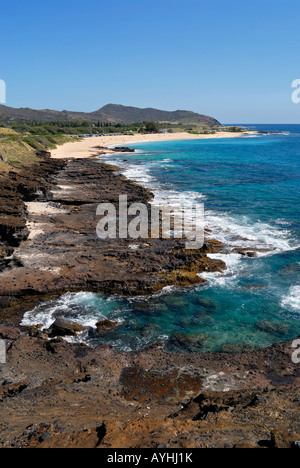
[(111, 113)]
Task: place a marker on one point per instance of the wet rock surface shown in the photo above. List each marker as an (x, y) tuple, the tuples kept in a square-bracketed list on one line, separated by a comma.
[(105, 326)]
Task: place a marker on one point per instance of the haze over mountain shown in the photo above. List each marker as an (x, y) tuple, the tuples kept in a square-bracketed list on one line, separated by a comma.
[(111, 113)]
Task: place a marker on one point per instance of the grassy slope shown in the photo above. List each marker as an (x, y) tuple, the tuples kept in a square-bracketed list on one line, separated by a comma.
[(21, 151), (18, 154), (6, 132)]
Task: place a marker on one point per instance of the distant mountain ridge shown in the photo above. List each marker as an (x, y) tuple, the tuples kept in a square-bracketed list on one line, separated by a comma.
[(111, 113), (134, 114)]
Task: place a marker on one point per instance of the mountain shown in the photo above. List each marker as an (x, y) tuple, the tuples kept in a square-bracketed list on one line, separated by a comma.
[(133, 114), (47, 115), (111, 113)]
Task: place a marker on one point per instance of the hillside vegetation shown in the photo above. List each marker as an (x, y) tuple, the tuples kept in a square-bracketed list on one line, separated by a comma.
[(111, 113), (15, 154), (130, 115), (18, 150)]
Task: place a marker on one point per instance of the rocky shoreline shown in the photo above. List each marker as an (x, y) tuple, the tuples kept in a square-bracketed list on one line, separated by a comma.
[(63, 252), (98, 397)]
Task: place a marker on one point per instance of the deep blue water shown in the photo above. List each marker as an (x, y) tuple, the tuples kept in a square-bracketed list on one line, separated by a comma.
[(251, 190)]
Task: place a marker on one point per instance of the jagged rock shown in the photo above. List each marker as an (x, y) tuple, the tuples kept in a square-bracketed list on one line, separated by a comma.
[(105, 326), (251, 254), (9, 333), (37, 332), (9, 391), (159, 379), (124, 149), (212, 246), (41, 335), (32, 328), (62, 327)]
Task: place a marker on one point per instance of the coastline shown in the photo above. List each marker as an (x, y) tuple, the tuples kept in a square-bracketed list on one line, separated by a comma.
[(88, 146), (58, 239), (158, 397)]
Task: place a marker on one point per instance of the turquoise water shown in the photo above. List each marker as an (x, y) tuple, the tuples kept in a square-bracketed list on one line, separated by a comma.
[(250, 187)]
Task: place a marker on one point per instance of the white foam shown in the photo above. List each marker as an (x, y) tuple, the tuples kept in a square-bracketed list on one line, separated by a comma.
[(252, 136), (233, 264), (282, 222), (45, 314), (174, 198), (293, 298), (139, 174), (234, 232), (241, 232)]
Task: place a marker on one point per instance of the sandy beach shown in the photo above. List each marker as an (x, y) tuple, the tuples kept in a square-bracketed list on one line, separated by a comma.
[(87, 147)]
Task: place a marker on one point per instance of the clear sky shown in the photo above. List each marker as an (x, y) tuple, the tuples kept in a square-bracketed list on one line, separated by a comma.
[(234, 60)]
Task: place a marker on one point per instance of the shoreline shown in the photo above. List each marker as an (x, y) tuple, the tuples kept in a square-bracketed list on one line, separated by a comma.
[(87, 148), (58, 239), (79, 396)]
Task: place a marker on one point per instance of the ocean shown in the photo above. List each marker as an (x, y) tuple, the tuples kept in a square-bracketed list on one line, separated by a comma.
[(250, 187)]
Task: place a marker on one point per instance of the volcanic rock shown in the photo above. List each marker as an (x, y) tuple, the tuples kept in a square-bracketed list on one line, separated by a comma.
[(62, 327), (105, 326)]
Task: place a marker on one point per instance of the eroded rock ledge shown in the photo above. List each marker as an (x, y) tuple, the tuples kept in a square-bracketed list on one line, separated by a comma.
[(57, 249), (55, 394)]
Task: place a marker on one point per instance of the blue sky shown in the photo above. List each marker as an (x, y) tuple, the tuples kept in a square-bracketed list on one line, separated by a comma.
[(230, 59)]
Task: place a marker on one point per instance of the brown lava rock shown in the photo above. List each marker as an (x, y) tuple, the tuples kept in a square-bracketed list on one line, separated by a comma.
[(57, 394), (105, 326), (62, 327)]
